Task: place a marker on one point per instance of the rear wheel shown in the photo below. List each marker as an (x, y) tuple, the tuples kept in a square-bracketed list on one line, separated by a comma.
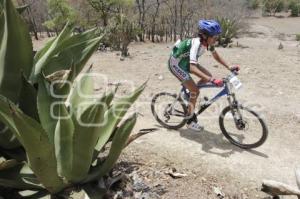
[(243, 127), (169, 110)]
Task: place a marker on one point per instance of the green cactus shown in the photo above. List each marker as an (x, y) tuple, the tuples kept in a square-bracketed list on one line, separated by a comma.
[(294, 6), (59, 151), (230, 30), (61, 53)]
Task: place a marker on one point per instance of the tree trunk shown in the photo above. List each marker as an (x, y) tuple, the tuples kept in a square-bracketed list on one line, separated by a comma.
[(166, 34), (141, 19), (153, 34), (171, 33), (175, 21), (105, 19), (181, 19), (149, 35), (32, 21)]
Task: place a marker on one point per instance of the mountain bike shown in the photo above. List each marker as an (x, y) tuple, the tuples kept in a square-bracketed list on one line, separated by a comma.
[(242, 126)]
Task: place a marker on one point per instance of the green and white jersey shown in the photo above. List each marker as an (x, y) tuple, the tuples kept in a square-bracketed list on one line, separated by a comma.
[(187, 52)]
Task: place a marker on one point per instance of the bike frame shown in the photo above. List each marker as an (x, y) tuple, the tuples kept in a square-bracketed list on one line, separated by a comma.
[(226, 91)]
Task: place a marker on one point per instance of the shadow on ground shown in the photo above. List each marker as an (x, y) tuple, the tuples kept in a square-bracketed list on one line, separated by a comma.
[(215, 143)]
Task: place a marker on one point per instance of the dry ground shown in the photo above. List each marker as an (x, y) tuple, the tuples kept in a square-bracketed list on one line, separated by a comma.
[(271, 85)]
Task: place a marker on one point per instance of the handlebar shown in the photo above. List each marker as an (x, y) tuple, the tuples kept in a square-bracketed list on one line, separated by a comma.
[(225, 79)]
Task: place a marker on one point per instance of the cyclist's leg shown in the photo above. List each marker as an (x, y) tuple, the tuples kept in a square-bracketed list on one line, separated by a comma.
[(182, 74), (194, 93), (192, 122)]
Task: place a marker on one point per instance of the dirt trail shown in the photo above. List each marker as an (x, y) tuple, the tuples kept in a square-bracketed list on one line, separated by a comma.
[(270, 77)]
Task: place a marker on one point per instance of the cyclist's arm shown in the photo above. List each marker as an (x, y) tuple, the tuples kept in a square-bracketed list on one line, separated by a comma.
[(218, 58), (195, 70), (194, 61)]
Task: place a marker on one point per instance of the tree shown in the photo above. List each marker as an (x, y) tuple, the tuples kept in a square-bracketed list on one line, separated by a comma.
[(59, 13), (107, 8), (273, 6), (121, 32), (141, 18)]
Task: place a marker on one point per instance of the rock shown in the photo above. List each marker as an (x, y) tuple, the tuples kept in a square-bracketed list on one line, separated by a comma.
[(280, 47), (159, 189), (138, 184), (160, 77), (218, 192), (174, 174), (142, 195), (122, 58), (119, 195)]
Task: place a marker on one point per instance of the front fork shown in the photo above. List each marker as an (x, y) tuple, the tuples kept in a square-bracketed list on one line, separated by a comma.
[(235, 111)]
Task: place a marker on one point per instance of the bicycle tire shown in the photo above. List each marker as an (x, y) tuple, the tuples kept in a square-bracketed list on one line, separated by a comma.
[(154, 112), (233, 141)]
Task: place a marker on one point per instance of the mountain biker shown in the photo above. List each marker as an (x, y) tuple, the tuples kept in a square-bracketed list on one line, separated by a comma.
[(184, 60)]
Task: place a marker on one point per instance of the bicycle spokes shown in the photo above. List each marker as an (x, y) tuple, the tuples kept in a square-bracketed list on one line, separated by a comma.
[(243, 127), (169, 110)]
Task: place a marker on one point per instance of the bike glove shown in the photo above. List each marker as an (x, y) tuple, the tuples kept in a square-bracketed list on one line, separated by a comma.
[(217, 82)]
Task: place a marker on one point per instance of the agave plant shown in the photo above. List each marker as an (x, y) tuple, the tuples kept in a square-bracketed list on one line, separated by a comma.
[(57, 125), (16, 61), (230, 29)]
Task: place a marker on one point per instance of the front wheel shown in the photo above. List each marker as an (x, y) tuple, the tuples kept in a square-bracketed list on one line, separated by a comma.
[(243, 127)]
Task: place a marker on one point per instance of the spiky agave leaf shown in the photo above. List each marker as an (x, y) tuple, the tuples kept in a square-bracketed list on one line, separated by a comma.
[(115, 114), (40, 153), (67, 40), (28, 99), (41, 59), (19, 177), (93, 191), (65, 51), (47, 108), (118, 143), (5, 115), (63, 140), (85, 137), (77, 53), (7, 139), (15, 42), (81, 93)]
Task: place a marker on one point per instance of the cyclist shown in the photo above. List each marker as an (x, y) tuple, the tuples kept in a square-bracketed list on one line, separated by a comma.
[(184, 60)]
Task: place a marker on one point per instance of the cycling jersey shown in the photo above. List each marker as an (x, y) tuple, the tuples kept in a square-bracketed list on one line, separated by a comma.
[(183, 54)]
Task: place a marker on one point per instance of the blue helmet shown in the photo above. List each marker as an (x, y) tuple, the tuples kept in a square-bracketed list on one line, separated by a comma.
[(210, 27)]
